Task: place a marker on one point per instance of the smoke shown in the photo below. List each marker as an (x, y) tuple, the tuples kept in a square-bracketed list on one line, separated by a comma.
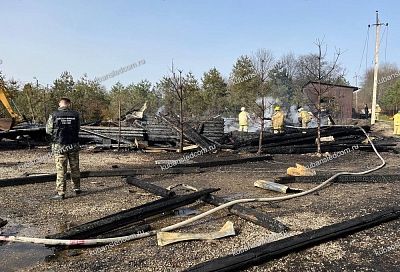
[(160, 110), (292, 115)]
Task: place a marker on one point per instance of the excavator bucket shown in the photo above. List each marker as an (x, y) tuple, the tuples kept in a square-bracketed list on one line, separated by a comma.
[(6, 123)]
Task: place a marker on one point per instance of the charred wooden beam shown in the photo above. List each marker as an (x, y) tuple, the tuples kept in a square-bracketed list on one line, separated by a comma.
[(150, 187), (101, 135), (270, 251), (243, 212), (311, 148), (303, 137), (107, 173), (216, 163), (249, 214), (188, 132), (118, 220)]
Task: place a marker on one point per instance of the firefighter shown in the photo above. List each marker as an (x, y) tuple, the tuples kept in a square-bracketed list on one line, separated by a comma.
[(278, 120), (243, 120), (63, 125), (304, 117), (396, 123)]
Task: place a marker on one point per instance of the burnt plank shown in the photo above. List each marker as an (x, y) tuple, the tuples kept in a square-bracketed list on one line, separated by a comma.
[(249, 214), (136, 214), (274, 250), (243, 212), (105, 173), (150, 187)]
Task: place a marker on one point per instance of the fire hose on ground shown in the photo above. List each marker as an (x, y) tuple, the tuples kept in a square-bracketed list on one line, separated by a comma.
[(132, 237)]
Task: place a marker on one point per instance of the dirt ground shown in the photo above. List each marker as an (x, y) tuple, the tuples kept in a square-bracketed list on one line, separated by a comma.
[(31, 213)]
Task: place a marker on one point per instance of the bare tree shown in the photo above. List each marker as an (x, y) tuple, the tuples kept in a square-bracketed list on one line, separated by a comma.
[(323, 74), (289, 62), (262, 61), (177, 85)]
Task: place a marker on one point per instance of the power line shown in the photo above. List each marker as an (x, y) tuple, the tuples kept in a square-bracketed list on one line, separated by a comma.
[(365, 46)]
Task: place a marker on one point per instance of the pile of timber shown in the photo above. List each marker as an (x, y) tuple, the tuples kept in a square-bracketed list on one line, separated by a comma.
[(31, 131), (303, 141), (211, 129), (189, 132), (159, 132), (99, 134)]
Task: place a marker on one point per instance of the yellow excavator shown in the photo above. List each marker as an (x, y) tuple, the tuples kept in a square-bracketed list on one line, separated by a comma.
[(8, 123)]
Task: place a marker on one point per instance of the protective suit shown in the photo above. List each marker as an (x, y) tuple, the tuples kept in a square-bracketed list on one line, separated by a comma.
[(396, 122), (304, 118), (277, 120), (243, 120)]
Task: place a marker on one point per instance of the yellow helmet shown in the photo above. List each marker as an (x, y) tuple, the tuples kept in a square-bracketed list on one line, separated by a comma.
[(277, 108)]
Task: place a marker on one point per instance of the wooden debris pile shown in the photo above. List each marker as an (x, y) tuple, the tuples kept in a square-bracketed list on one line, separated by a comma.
[(300, 141), (155, 131)]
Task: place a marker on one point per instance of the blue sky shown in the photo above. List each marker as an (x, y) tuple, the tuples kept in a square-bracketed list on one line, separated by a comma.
[(44, 38)]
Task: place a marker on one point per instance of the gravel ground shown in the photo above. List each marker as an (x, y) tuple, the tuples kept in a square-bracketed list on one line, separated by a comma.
[(31, 213)]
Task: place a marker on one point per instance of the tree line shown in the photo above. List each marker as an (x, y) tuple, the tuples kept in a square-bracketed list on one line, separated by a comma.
[(253, 77)]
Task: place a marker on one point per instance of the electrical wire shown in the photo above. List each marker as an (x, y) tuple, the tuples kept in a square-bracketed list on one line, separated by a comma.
[(365, 46), (197, 217)]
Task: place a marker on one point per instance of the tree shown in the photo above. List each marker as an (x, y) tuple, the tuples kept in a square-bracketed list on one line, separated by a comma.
[(391, 99), (176, 82), (141, 93), (90, 99), (242, 85), (168, 96), (281, 84), (117, 94), (215, 91), (262, 63), (320, 70), (387, 79), (194, 97)]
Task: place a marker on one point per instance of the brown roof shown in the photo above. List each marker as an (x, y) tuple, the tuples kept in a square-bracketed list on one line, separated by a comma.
[(336, 85)]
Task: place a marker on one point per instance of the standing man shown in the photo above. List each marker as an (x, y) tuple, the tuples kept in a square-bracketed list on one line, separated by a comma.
[(396, 123), (304, 117), (63, 125), (243, 120), (366, 111), (277, 120)]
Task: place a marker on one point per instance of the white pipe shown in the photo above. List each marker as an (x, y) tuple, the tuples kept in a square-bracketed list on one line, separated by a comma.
[(195, 218)]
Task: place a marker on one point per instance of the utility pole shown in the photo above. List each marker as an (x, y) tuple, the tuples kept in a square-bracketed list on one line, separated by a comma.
[(119, 120), (376, 67)]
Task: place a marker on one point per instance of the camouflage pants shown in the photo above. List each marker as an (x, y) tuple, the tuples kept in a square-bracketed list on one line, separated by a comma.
[(61, 167)]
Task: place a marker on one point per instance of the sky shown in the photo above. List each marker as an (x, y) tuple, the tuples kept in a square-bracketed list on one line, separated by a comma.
[(43, 38)]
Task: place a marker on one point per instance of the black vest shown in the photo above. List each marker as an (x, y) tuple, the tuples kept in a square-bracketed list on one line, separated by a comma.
[(65, 127)]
